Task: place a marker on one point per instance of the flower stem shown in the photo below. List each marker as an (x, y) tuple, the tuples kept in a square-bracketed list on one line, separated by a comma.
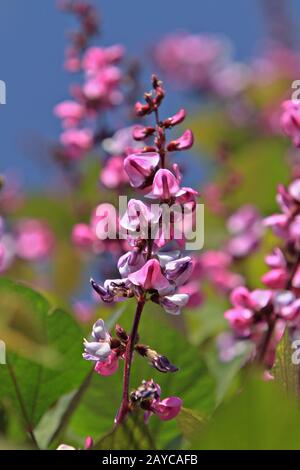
[(124, 408)]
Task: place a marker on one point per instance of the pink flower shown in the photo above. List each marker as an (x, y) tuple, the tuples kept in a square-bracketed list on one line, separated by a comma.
[(113, 174), (165, 185), (276, 259), (294, 190), (290, 120), (94, 59), (176, 119), (83, 236), (257, 299), (174, 303), (184, 142), (141, 132), (131, 262), (191, 60), (196, 296), (150, 277), (70, 112), (138, 219), (276, 278), (77, 141), (34, 240), (139, 167), (167, 409), (296, 278), (88, 443), (108, 367), (180, 270), (240, 320)]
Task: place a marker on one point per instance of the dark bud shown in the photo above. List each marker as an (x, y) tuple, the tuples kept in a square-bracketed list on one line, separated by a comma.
[(121, 333), (159, 362), (142, 109), (160, 94), (155, 82), (148, 149), (97, 288), (115, 343)]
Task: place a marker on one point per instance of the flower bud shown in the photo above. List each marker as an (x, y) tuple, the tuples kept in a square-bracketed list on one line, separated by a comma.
[(141, 132), (121, 333), (142, 109), (184, 142), (176, 119), (156, 360), (173, 303)]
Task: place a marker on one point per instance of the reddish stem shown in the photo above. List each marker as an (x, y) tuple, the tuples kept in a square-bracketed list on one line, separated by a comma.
[(124, 408)]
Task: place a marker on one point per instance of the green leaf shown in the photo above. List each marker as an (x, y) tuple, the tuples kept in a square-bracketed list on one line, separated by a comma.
[(260, 417), (190, 423), (226, 373), (32, 387), (192, 383), (132, 434)]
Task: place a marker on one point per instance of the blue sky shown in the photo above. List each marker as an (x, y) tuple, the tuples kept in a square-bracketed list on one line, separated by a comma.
[(32, 40)]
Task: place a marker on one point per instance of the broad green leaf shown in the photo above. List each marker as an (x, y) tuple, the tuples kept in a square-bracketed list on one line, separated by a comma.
[(190, 423), (259, 417), (226, 373), (207, 320), (132, 434), (285, 372), (30, 386)]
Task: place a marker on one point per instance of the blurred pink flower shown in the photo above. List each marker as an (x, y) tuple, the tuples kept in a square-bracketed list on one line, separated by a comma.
[(34, 240)]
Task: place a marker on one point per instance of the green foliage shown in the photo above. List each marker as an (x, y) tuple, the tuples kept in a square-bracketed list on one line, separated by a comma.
[(259, 417), (32, 387), (132, 434)]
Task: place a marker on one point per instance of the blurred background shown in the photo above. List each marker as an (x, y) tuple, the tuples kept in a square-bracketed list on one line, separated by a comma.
[(34, 74), (232, 87)]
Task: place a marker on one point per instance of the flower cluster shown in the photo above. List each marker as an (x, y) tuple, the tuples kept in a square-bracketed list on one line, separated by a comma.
[(28, 239), (201, 62), (154, 268), (87, 17), (246, 229), (106, 351), (262, 316), (290, 120), (100, 89)]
